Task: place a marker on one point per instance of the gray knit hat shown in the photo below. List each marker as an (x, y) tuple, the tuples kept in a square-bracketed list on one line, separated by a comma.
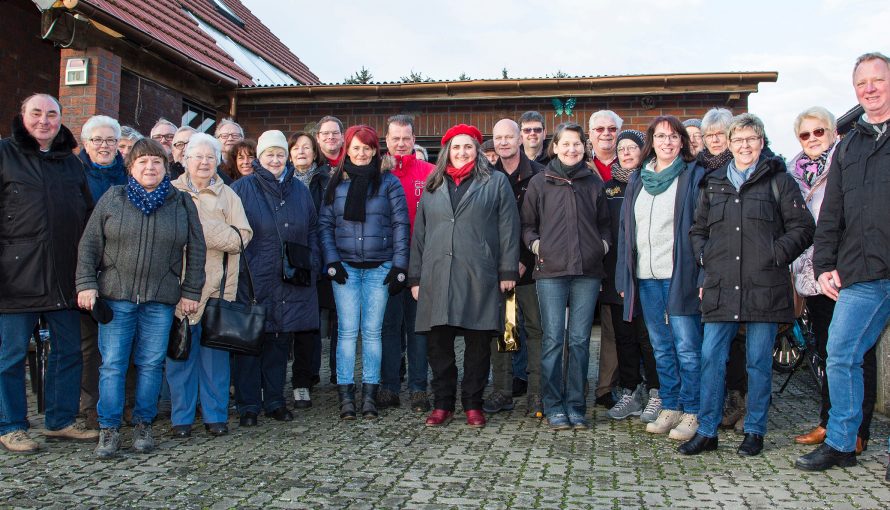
[(487, 145), (692, 122), (638, 137)]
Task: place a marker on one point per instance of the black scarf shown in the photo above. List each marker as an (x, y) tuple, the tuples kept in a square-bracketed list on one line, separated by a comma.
[(357, 196), (711, 162)]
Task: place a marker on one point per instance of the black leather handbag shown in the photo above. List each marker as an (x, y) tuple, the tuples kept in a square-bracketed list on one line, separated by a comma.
[(180, 344), (232, 326)]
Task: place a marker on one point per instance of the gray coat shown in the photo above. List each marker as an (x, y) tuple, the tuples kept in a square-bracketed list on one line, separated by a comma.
[(459, 256), (129, 256)]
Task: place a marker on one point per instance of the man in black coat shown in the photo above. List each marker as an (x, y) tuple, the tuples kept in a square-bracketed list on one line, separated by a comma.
[(852, 258), (526, 366), (44, 205)]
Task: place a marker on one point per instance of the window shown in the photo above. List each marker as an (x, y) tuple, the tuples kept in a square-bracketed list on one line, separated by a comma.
[(197, 116), (227, 12)]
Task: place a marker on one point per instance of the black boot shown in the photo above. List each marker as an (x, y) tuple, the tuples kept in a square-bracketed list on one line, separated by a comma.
[(346, 394), (752, 445), (698, 444), (369, 401), (825, 457)]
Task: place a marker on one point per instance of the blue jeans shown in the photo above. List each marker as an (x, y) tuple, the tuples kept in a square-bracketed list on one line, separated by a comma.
[(144, 330), (64, 368), (759, 340), (398, 323), (361, 303), (859, 317), (562, 381), (205, 372), (676, 342)]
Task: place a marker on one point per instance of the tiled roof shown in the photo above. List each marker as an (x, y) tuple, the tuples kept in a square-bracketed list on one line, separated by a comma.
[(168, 23)]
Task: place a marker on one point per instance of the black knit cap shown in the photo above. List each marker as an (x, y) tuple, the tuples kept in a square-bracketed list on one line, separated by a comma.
[(638, 137)]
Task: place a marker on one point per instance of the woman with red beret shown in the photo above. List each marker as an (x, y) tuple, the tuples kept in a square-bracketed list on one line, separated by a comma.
[(464, 257)]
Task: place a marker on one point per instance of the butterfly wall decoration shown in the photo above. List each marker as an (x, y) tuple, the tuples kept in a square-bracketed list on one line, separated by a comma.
[(563, 108)]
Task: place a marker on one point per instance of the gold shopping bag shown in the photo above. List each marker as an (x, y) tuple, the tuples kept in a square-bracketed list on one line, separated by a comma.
[(509, 340)]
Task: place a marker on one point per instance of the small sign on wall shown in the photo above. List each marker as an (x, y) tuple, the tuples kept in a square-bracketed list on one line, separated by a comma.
[(76, 71)]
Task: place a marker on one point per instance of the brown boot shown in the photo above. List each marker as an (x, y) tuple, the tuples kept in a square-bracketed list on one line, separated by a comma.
[(77, 431), (18, 441), (861, 445), (815, 436)]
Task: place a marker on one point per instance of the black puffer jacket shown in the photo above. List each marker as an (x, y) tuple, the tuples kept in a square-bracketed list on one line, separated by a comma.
[(853, 235), (44, 206), (519, 182), (745, 241)]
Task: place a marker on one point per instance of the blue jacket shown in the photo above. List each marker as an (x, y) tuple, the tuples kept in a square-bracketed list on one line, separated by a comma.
[(289, 308), (100, 179), (382, 237), (683, 293)]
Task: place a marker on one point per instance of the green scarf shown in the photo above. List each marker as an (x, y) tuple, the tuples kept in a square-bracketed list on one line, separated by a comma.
[(656, 182)]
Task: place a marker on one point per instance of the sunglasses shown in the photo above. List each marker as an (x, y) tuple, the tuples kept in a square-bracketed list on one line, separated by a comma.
[(601, 129), (818, 133), (530, 130)]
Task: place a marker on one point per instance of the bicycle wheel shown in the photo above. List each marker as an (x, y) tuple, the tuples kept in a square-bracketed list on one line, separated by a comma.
[(787, 354)]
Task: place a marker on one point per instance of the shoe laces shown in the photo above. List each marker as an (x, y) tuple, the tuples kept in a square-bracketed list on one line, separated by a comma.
[(653, 404), (20, 436), (688, 420), (625, 401), (105, 438)]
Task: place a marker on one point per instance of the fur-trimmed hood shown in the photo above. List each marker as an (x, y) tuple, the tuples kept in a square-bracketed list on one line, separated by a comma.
[(62, 145)]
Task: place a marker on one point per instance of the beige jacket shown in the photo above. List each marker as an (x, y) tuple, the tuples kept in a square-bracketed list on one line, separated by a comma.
[(219, 208)]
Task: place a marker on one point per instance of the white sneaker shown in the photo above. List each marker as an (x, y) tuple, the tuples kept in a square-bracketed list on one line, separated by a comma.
[(685, 430), (653, 407), (667, 420)]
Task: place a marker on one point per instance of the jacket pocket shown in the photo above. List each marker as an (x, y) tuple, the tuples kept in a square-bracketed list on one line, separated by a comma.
[(716, 209), (710, 300), (23, 269), (759, 209), (765, 295)]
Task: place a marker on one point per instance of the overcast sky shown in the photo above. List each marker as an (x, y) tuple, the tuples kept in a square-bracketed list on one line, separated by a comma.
[(812, 44)]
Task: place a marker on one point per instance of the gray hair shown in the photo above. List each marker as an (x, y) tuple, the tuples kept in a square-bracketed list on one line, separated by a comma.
[(422, 149), (204, 140), (40, 94), (399, 120), (186, 128), (609, 114), (865, 57), (818, 113), (129, 133), (228, 122), (99, 121), (717, 119), (745, 120), (163, 122)]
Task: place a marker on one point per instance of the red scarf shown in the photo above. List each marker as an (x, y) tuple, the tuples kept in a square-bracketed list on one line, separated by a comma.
[(334, 162), (459, 174)]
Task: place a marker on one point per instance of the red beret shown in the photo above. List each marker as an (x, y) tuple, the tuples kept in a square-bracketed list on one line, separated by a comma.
[(462, 129)]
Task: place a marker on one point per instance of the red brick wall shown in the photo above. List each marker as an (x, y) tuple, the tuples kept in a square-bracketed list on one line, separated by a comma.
[(101, 94), (143, 102), (29, 64), (435, 117)]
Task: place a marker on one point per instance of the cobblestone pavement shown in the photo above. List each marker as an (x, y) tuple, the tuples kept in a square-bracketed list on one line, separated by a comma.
[(318, 461)]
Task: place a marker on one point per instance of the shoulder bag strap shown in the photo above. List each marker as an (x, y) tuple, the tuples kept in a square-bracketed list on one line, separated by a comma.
[(222, 286)]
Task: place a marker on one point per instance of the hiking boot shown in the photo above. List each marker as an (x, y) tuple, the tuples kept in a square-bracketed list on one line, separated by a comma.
[(420, 402), (685, 430), (653, 407), (18, 441), (733, 409), (630, 404), (666, 421), (386, 398), (302, 400), (535, 405), (143, 439), (109, 443), (77, 431), (498, 402)]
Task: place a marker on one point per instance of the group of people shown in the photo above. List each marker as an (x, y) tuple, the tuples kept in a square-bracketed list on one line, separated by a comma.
[(683, 235)]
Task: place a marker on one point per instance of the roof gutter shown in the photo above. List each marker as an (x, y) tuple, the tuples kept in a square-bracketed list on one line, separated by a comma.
[(148, 44)]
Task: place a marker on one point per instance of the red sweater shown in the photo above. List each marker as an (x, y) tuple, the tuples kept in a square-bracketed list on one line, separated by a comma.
[(604, 169), (412, 173)]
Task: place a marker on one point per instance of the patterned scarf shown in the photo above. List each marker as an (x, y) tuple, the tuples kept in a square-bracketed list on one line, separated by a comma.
[(621, 174), (148, 201), (711, 162), (306, 177), (808, 170)]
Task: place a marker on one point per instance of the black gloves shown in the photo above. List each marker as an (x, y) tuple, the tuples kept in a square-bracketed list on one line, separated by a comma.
[(397, 279), (337, 272)]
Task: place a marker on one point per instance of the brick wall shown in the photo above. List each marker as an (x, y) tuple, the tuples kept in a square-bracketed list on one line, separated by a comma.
[(29, 63), (101, 94), (433, 118), (143, 102)]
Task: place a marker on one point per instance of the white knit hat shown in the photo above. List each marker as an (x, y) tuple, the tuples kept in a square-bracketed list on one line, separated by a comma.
[(270, 139)]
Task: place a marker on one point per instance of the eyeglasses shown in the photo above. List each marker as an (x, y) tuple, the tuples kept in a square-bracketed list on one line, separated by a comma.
[(98, 142), (818, 133), (696, 136), (715, 136), (179, 145), (602, 129), (628, 148), (229, 136), (158, 138), (661, 137), (530, 130), (327, 134), (743, 141)]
